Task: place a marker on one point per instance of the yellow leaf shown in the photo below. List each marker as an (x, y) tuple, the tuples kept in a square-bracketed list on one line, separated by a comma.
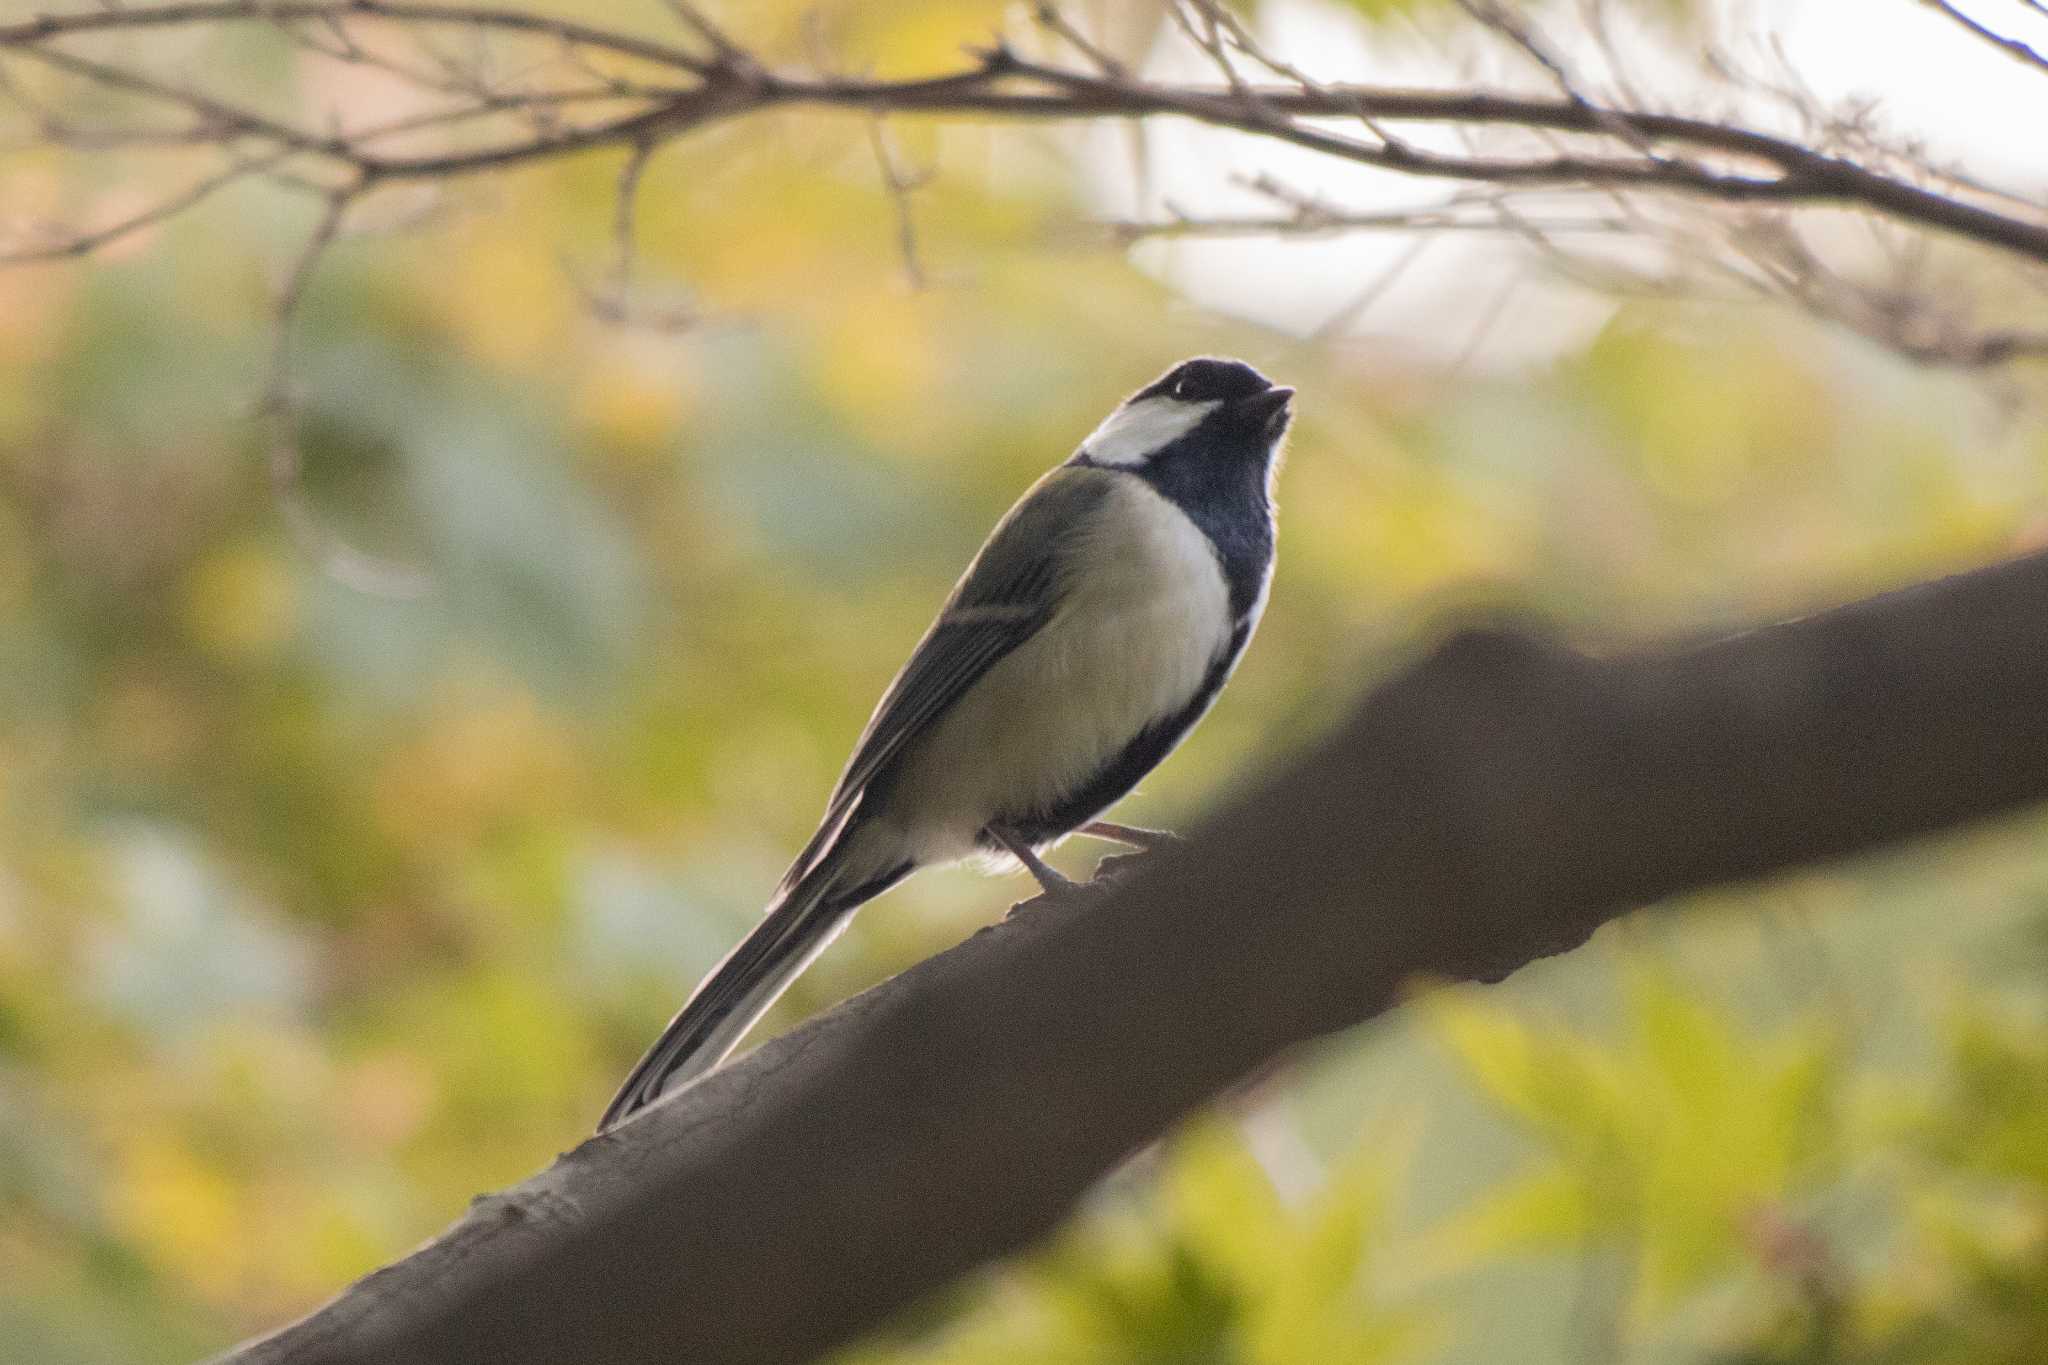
[(240, 602)]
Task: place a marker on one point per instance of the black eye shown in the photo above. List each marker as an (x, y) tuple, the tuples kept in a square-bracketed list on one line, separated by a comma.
[(1183, 387)]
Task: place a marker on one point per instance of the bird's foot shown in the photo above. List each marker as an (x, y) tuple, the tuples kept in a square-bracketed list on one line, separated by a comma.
[(1055, 885), (1117, 866), (1149, 840), (1050, 879), (1146, 841), (1067, 894)]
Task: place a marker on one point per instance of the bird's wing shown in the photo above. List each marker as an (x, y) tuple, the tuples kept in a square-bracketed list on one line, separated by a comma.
[(1008, 593)]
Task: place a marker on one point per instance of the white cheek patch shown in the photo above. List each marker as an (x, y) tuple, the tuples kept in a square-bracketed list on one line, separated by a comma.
[(1135, 430)]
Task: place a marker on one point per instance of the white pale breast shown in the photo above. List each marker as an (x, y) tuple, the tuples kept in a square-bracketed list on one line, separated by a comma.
[(1131, 644)]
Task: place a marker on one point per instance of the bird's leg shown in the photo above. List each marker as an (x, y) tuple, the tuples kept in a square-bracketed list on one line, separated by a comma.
[(1151, 840), (1054, 883)]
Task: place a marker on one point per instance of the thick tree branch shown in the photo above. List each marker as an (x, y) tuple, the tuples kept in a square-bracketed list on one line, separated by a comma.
[(1494, 803)]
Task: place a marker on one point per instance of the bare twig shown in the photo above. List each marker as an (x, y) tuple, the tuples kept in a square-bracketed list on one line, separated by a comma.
[(292, 294), (616, 302), (278, 411), (1482, 328), (625, 209), (1242, 39), (498, 116), (422, 13), (901, 185), (1516, 28), (1753, 166), (1371, 292), (726, 51), (495, 103), (1201, 21), (50, 127), (1328, 222), (1903, 319), (1055, 21), (2010, 46), (216, 118), (82, 243)]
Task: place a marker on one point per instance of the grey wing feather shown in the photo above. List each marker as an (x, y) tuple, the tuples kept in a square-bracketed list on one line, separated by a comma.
[(1007, 594)]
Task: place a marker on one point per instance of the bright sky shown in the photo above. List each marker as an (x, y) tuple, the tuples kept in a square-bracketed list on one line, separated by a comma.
[(1476, 298)]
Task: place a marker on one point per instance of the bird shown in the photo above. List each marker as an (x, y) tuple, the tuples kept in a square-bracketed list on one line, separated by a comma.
[(1089, 634)]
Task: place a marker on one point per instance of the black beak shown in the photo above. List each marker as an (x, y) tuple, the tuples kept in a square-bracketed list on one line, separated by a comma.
[(1267, 408)]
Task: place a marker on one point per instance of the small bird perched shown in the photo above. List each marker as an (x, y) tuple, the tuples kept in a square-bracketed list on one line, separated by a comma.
[(1088, 636)]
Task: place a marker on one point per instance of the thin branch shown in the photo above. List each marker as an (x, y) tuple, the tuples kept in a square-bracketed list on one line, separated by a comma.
[(1633, 159), (724, 49), (1482, 328), (2010, 46), (498, 103), (1905, 320), (1003, 84), (1658, 153), (51, 127), (616, 302), (485, 17), (900, 185), (625, 209), (1241, 37), (1371, 292), (1203, 24), (292, 293), (1600, 29), (278, 413), (1334, 222), (86, 242), (1522, 35), (223, 120), (1055, 22), (337, 43), (1514, 27)]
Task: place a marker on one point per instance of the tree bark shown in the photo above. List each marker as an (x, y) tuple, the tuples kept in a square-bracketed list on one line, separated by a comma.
[(1491, 804)]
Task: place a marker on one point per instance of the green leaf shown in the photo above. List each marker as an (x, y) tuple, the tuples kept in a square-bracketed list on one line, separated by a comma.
[(1222, 1206), (1543, 1211)]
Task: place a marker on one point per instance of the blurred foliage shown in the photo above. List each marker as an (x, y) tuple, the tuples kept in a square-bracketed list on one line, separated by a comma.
[(322, 911)]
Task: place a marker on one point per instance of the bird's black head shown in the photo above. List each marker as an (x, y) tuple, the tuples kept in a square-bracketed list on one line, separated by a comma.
[(1204, 435), (1205, 379), (1225, 405)]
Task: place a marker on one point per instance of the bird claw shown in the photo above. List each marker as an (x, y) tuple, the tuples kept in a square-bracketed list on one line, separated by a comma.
[(1095, 886), (1134, 836), (1119, 865), (1108, 873)]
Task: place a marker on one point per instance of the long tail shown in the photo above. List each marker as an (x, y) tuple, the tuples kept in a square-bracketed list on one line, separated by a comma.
[(798, 926)]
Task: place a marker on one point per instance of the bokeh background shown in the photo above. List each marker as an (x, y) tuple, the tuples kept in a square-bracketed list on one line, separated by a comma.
[(323, 909)]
